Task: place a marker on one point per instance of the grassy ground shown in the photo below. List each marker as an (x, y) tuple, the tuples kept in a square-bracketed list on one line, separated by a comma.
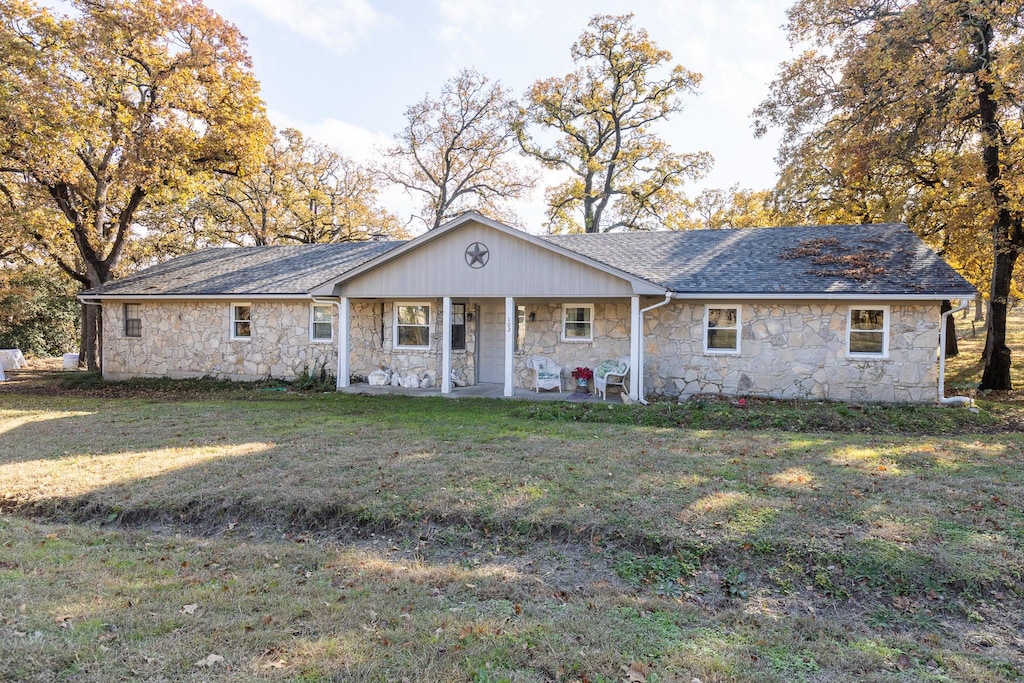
[(196, 532)]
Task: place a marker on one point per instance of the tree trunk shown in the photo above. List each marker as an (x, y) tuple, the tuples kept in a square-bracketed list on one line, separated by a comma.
[(996, 376), (979, 308), (951, 350), (90, 352)]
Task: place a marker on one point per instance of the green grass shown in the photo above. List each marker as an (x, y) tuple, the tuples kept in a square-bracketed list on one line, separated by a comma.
[(326, 537)]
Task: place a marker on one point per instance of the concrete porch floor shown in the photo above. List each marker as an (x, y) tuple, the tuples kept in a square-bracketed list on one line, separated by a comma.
[(485, 391)]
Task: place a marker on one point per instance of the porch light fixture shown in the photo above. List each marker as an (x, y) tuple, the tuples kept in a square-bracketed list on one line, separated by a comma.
[(469, 317), (533, 316)]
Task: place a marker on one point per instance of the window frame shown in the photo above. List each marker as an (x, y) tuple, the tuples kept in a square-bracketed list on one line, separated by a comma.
[(395, 325), (233, 321), (313, 322), (867, 355), (707, 329), (130, 328), (456, 346), (565, 309)]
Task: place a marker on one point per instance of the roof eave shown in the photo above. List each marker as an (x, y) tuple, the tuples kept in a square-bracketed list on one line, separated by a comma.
[(121, 296), (823, 296)]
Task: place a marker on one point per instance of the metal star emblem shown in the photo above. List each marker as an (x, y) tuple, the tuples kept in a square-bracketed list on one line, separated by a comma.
[(477, 255)]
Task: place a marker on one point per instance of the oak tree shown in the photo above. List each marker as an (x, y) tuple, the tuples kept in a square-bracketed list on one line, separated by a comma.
[(105, 108), (911, 110), (621, 174), (454, 152), (715, 208), (304, 192)]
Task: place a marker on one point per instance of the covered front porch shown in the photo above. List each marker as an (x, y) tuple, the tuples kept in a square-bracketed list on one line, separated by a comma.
[(487, 342), (470, 302)]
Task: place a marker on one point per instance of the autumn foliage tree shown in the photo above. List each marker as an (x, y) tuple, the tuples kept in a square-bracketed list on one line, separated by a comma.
[(912, 110), (304, 192), (104, 109), (621, 174), (714, 208), (454, 151)]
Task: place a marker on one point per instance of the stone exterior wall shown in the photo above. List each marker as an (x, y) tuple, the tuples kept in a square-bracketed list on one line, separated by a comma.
[(543, 337), (793, 350), (183, 339), (370, 350), (788, 350)]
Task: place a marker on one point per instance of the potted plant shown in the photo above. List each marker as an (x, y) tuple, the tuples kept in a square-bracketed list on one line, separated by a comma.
[(582, 375)]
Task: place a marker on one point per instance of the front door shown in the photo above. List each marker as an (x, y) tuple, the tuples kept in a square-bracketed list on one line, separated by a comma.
[(491, 355)]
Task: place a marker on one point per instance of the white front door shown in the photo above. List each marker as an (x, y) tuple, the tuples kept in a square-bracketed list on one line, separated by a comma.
[(491, 356)]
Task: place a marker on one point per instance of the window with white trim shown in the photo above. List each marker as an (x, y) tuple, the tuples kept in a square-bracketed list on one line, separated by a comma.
[(722, 325), (133, 320), (412, 325), (321, 324), (241, 321), (578, 322), (867, 332)]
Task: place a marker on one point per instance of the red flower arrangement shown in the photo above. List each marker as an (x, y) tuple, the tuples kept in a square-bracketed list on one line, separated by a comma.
[(583, 373)]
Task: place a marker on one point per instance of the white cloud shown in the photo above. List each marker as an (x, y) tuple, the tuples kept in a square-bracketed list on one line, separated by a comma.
[(461, 17), (337, 24), (355, 142)]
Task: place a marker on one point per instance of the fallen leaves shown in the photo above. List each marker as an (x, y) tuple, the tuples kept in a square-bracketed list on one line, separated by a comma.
[(189, 609), (636, 672), (211, 661)]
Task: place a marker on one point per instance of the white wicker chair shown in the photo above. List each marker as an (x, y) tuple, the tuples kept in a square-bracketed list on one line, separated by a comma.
[(547, 374), (611, 373)]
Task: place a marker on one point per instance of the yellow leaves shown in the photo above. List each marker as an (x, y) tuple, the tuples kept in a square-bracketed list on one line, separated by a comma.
[(624, 176), (89, 129)]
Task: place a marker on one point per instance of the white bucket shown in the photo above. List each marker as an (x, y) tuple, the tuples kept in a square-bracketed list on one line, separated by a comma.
[(70, 361)]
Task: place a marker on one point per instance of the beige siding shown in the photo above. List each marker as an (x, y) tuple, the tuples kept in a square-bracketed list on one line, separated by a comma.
[(516, 268)]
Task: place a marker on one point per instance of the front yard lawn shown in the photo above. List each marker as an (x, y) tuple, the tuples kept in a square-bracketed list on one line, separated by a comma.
[(283, 537)]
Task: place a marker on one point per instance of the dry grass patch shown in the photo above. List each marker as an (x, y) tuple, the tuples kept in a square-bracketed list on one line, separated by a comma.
[(334, 537)]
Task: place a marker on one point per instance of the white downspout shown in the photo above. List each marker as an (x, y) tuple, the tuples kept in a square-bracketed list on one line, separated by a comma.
[(338, 383), (952, 400), (639, 376)]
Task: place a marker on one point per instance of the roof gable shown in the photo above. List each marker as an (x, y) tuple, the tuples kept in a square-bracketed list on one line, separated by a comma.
[(518, 264)]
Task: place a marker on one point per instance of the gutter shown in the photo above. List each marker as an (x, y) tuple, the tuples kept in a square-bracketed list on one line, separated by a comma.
[(952, 400)]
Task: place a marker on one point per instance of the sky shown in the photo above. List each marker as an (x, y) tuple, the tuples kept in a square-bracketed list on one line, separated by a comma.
[(344, 71)]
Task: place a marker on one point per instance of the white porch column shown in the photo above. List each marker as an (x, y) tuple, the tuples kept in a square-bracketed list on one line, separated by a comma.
[(446, 346), (510, 345), (344, 326), (636, 340)]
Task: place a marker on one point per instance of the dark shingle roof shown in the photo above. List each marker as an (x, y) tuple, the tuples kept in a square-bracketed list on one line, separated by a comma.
[(836, 259), (293, 269), (886, 259)]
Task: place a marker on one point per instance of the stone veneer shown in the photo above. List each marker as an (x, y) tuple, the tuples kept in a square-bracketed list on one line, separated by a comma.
[(788, 350), (183, 339), (372, 343), (793, 350)]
